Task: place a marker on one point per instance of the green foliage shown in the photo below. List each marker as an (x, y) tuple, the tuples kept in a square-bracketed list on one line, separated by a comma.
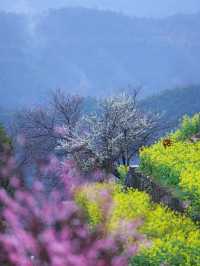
[(189, 127), (173, 239), (4, 139), (5, 153), (122, 171)]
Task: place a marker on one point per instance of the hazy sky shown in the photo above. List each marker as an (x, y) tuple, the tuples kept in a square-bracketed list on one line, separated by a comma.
[(150, 8)]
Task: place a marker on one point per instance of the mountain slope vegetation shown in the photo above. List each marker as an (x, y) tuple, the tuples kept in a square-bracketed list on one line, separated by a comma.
[(94, 53), (174, 104)]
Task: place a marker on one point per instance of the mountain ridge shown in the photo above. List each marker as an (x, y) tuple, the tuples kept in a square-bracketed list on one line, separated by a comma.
[(94, 53), (142, 8)]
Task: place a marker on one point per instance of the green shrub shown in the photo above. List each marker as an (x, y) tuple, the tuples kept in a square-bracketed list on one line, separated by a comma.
[(190, 126), (122, 171), (5, 154), (4, 139)]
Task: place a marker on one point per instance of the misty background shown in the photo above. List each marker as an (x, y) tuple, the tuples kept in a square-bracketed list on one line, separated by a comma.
[(96, 48), (144, 8)]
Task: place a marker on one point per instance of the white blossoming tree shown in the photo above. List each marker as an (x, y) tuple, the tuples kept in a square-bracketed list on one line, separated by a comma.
[(111, 136)]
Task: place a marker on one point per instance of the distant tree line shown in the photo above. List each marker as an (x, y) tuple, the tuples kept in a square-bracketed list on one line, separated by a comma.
[(174, 104)]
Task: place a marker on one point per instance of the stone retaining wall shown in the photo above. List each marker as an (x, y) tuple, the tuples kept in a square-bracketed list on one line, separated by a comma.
[(159, 194)]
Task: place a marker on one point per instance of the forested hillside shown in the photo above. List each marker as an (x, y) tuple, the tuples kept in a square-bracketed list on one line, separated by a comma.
[(174, 104), (94, 53)]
